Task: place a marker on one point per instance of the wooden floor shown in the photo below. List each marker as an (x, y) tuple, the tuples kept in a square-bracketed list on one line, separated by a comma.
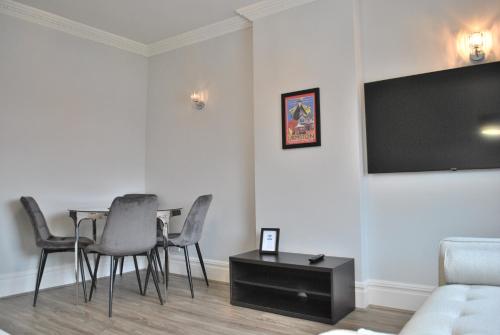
[(208, 313)]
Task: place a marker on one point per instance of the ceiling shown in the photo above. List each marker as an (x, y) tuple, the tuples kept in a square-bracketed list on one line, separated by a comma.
[(144, 21)]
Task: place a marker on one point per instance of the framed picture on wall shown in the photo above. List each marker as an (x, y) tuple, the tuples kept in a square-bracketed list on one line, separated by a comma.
[(269, 241), (300, 119)]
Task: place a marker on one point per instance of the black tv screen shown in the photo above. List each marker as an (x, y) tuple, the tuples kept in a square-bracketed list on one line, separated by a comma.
[(444, 120)]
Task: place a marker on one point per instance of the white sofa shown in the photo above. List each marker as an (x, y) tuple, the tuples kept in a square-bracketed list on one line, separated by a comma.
[(467, 302)]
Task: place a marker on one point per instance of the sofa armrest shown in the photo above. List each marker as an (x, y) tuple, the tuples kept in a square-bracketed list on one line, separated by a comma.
[(352, 332), (469, 261)]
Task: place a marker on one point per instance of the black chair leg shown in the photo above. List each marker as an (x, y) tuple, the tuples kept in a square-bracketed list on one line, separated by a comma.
[(155, 277), (167, 268), (82, 273), (155, 263), (146, 281), (41, 267), (201, 262), (137, 274), (88, 265), (156, 260), (121, 266), (94, 280), (188, 270), (159, 262), (112, 267), (116, 261)]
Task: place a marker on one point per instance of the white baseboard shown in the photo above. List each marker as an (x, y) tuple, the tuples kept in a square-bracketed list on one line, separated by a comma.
[(360, 294), (395, 294), (216, 270), (370, 292)]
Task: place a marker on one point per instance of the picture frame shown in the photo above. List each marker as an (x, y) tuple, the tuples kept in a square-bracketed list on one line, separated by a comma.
[(269, 241), (300, 119)]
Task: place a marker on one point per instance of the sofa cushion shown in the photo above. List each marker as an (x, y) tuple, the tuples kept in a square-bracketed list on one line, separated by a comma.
[(470, 261), (458, 310)]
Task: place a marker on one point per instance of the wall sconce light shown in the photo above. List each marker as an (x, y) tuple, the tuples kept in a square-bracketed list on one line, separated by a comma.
[(491, 131), (476, 45), (198, 100), (490, 125)]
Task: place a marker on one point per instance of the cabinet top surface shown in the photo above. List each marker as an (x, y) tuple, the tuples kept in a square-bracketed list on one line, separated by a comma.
[(292, 259)]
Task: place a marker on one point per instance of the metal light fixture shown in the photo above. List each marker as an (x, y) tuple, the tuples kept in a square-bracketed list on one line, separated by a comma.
[(476, 45), (198, 100)]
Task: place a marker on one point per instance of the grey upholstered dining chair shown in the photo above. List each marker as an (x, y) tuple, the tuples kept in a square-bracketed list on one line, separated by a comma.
[(189, 235), (52, 244), (130, 230), (155, 255)]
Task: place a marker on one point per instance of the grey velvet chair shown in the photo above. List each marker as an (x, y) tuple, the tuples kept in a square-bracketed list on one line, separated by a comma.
[(52, 244), (130, 230), (189, 235), (155, 255)]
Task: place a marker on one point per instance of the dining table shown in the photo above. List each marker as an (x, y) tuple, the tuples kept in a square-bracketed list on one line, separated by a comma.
[(92, 215)]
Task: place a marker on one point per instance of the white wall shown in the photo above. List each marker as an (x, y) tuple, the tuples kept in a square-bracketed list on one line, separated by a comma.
[(312, 194), (190, 153), (395, 231), (408, 213), (72, 132)]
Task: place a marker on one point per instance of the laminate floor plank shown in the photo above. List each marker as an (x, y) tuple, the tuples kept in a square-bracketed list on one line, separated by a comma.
[(208, 313)]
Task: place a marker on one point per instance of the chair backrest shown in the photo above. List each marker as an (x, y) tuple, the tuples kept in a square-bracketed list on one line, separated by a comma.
[(42, 232), (131, 225), (193, 226), (159, 223), (136, 195)]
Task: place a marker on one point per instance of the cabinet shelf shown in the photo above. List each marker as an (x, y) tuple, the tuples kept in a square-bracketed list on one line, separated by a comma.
[(273, 301), (277, 286)]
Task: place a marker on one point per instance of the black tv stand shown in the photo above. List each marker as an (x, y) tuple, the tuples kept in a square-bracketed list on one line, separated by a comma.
[(287, 284)]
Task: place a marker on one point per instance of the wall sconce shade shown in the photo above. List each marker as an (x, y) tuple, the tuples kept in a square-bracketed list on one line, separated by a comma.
[(476, 45), (198, 100)]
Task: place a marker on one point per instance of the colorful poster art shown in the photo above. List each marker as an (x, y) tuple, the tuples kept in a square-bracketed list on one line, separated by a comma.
[(300, 119)]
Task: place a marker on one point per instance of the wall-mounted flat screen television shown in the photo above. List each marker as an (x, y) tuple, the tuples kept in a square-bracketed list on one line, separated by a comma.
[(446, 120)]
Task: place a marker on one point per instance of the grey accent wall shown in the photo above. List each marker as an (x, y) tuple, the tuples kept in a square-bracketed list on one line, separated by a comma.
[(192, 152)]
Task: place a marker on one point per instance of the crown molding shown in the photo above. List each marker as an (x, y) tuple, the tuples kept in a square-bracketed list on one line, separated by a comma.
[(60, 23), (198, 35), (269, 7), (34, 15)]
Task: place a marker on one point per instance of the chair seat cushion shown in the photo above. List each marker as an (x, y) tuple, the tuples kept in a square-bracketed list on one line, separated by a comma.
[(458, 310), (173, 240), (98, 248), (173, 236), (64, 242), (176, 240)]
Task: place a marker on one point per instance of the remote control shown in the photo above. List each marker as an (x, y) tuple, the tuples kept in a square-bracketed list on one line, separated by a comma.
[(316, 259)]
